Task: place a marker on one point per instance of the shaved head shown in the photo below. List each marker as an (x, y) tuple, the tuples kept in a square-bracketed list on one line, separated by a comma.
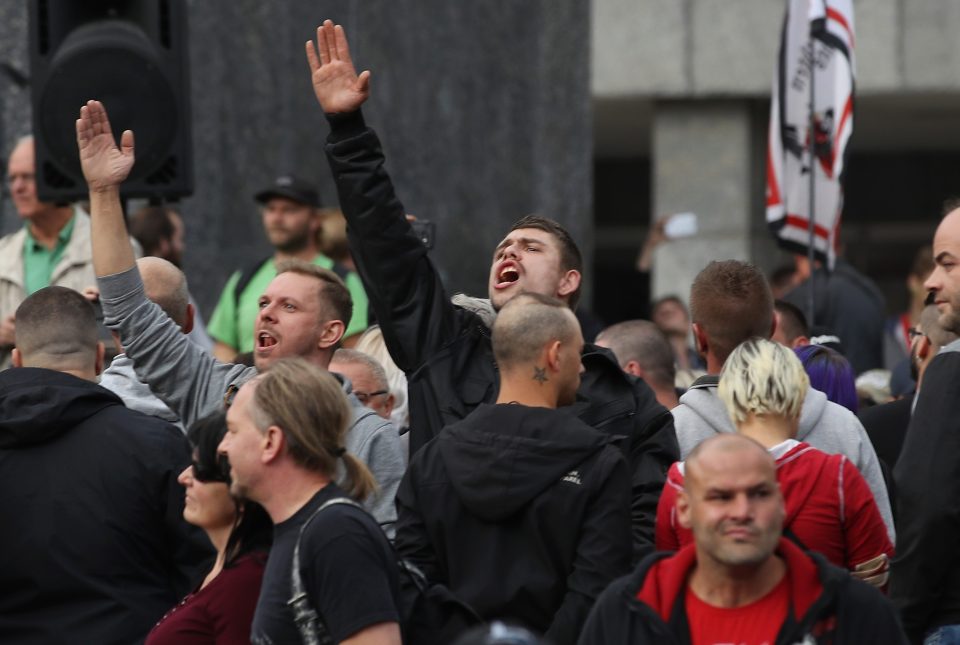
[(526, 324), (725, 445), (57, 329), (165, 285)]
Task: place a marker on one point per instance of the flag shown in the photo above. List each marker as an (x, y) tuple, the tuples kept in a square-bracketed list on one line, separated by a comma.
[(818, 32)]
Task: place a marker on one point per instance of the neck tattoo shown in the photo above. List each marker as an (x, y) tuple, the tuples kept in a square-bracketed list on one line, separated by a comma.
[(540, 374)]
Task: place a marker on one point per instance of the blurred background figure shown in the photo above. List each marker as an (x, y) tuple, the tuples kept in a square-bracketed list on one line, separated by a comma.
[(830, 373), (791, 329), (671, 316), (897, 341), (160, 232), (642, 350)]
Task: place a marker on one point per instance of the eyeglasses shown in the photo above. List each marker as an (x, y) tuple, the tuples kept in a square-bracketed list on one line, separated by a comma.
[(364, 397), (219, 471), (913, 332)]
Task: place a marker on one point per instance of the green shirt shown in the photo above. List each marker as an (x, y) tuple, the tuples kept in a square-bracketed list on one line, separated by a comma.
[(39, 261), (232, 323)]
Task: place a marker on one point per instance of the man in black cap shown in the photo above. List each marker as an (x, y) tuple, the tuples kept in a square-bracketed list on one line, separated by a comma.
[(291, 218)]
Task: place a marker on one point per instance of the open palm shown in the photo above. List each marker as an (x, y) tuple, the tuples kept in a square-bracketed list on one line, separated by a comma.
[(335, 81), (104, 164)]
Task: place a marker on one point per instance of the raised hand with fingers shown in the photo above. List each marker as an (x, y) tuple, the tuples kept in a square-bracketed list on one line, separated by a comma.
[(104, 164), (335, 81)]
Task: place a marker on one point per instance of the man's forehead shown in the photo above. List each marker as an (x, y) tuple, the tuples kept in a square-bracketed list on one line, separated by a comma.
[(737, 466), (22, 154), (293, 286), (529, 234), (947, 237)]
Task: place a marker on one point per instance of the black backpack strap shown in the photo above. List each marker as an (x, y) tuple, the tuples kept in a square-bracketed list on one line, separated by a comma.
[(312, 629), (790, 535), (246, 275)]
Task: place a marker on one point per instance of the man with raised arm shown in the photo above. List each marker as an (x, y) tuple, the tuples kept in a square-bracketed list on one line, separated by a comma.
[(303, 312), (445, 349)]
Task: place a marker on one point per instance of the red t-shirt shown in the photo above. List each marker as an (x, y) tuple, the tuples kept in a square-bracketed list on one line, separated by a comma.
[(753, 624)]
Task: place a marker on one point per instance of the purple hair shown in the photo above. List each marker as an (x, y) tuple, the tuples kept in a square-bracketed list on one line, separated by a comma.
[(830, 373)]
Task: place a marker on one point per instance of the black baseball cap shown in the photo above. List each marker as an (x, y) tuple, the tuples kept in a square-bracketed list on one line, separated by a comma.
[(299, 190)]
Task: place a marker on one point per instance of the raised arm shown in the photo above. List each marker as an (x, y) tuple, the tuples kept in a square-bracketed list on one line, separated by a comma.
[(404, 289), (185, 377), (105, 166)]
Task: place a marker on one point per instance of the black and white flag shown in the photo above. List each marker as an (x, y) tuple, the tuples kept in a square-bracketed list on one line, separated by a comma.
[(816, 47)]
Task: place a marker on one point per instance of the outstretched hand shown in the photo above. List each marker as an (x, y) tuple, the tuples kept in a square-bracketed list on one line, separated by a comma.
[(104, 164), (335, 81)]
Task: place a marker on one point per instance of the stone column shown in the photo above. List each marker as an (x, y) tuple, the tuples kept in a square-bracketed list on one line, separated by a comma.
[(708, 159)]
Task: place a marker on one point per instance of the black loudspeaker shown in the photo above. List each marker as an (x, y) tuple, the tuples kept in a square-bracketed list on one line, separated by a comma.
[(132, 56)]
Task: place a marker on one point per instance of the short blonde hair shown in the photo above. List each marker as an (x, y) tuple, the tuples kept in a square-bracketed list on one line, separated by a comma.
[(764, 378)]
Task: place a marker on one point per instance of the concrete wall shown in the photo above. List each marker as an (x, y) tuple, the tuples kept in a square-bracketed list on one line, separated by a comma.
[(483, 108), (690, 48)]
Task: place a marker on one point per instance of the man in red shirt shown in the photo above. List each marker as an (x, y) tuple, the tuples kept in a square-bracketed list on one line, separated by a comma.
[(740, 581)]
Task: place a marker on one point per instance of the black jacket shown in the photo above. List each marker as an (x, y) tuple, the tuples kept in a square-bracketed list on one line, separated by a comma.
[(445, 350), (93, 543), (827, 605), (849, 305), (925, 574), (524, 513)]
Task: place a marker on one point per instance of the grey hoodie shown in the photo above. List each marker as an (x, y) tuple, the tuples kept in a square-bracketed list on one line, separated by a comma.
[(194, 384), (121, 379), (823, 424)]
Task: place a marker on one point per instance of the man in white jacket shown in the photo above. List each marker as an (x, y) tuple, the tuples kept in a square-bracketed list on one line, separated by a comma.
[(730, 302)]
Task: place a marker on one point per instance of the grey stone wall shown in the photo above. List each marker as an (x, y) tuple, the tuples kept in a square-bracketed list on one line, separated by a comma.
[(483, 108)]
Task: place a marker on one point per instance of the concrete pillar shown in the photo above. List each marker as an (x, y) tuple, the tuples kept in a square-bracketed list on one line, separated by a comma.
[(707, 159)]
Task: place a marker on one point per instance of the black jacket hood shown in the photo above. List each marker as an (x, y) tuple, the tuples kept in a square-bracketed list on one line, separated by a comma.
[(37, 405), (502, 456)]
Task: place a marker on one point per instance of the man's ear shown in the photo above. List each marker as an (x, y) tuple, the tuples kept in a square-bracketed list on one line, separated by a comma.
[(16, 358), (272, 444), (633, 367), (189, 318), (569, 283), (389, 403), (683, 509), (700, 340), (773, 324), (331, 334), (98, 363), (553, 356)]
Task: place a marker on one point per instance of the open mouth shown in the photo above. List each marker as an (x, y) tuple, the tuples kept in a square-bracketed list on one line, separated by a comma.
[(265, 340), (507, 276)]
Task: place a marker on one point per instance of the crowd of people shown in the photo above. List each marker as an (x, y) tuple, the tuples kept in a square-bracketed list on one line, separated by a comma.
[(464, 470)]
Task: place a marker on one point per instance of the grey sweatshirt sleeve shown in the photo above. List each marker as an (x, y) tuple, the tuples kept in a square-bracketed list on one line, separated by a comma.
[(869, 467), (190, 381), (376, 442)]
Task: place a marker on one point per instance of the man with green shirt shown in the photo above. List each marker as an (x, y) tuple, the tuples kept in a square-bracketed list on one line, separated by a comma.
[(292, 222), (52, 248)]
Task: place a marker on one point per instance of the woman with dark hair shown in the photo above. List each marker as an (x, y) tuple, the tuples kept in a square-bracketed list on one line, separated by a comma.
[(220, 609), (830, 373)]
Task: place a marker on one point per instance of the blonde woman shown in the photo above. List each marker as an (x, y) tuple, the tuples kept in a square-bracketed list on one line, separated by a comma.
[(830, 508)]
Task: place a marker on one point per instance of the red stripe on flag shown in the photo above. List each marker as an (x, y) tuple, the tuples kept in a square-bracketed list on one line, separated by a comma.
[(804, 223), (773, 190), (839, 17), (847, 112)]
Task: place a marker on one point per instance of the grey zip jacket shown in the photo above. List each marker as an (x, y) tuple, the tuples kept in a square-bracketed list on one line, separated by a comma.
[(823, 424), (194, 384)]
